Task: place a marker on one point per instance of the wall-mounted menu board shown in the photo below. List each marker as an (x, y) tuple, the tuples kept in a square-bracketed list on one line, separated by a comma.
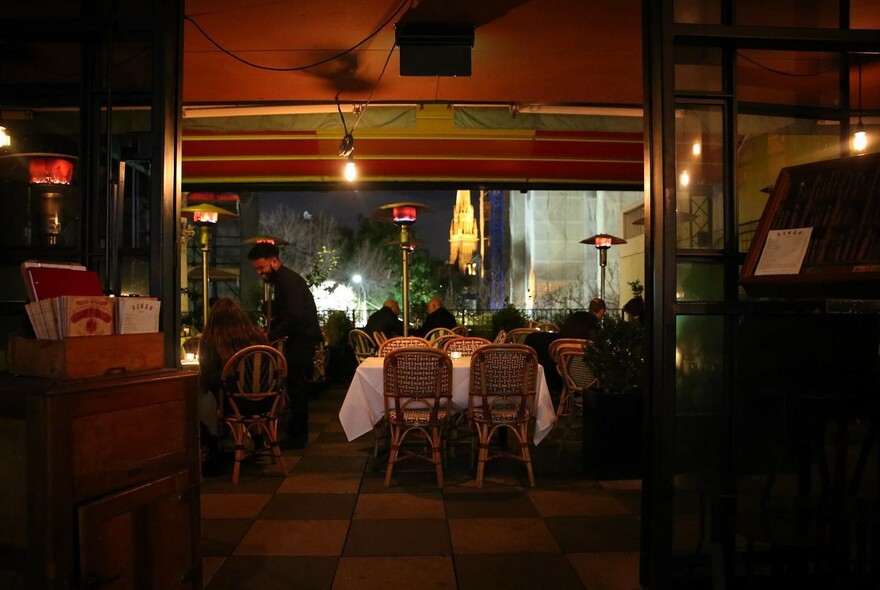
[(819, 235)]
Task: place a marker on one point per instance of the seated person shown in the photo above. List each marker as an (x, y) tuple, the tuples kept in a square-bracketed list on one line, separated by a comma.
[(634, 309), (385, 320), (580, 324), (438, 317), (540, 343), (228, 330)]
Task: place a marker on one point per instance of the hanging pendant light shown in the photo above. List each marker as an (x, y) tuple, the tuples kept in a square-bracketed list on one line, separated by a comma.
[(860, 138)]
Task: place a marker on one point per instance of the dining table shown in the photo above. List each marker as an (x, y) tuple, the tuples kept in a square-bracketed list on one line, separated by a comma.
[(364, 405)]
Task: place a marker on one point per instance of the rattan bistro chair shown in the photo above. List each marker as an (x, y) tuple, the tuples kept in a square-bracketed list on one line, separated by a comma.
[(464, 345), (417, 393), (252, 387), (393, 344), (436, 333), (502, 396), (577, 377), (518, 335), (362, 344)]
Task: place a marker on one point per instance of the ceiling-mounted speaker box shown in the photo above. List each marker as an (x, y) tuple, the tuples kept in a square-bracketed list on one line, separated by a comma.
[(434, 49)]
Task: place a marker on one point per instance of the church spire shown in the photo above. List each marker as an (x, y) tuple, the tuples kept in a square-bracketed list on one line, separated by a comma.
[(463, 234)]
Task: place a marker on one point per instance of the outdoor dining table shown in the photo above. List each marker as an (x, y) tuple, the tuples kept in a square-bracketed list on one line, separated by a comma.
[(363, 406)]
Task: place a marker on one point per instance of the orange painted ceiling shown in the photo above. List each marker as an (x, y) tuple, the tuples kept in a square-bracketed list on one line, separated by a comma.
[(262, 80), (534, 54)]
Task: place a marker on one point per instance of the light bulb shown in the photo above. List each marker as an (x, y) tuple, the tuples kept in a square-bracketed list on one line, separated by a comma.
[(698, 148), (350, 170), (684, 179), (860, 138), (5, 139)]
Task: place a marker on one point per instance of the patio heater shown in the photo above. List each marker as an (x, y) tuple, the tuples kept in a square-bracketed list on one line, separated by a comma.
[(603, 242), (267, 296), (403, 215), (205, 216)]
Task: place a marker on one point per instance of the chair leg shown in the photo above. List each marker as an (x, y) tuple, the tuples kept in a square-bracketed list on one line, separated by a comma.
[(238, 436), (561, 409), (437, 455), (483, 433), (523, 435), (392, 456), (272, 434)]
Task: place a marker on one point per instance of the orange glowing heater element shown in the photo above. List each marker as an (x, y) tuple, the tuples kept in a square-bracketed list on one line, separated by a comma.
[(404, 215), (50, 171), (205, 217), (603, 242)]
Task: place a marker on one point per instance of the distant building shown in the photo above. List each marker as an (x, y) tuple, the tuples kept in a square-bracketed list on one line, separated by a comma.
[(463, 234)]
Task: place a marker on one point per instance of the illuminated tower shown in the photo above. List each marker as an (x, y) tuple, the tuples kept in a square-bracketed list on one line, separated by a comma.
[(463, 235)]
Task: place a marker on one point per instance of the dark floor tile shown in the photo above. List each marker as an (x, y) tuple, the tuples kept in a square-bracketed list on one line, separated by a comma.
[(632, 499), (268, 484), (501, 536), (310, 507), (402, 482), (335, 437), (582, 534), (220, 537), (487, 572), (395, 573), (398, 537), (331, 463), (275, 573), (489, 505), (607, 571)]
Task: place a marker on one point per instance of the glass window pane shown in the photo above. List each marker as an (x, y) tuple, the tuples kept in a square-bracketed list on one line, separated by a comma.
[(788, 13), (699, 281), (766, 145), (699, 169), (699, 363), (795, 78), (698, 69)]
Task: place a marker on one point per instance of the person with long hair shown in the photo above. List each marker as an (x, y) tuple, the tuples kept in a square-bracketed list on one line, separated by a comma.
[(228, 330)]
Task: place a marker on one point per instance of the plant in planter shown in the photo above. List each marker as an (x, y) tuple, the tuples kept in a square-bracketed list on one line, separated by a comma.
[(612, 436), (341, 364), (617, 357), (507, 318)]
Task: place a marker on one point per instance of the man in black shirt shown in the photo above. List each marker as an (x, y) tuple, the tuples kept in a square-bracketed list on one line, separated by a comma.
[(293, 316), (438, 317), (385, 320)]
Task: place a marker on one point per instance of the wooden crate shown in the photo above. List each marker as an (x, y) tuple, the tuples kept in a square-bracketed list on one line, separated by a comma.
[(86, 356)]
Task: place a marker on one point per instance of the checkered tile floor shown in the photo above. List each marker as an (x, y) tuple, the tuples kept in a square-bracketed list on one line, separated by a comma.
[(332, 524)]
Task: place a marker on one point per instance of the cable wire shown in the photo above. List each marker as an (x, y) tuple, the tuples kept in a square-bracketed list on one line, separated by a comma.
[(783, 72), (298, 68)]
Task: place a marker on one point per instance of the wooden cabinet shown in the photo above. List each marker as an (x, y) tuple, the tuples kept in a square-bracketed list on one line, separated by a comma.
[(99, 482)]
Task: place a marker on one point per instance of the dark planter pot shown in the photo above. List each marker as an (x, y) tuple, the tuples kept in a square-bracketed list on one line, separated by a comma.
[(612, 435), (341, 365)]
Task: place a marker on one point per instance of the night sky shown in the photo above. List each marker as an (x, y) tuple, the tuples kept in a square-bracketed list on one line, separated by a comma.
[(431, 229)]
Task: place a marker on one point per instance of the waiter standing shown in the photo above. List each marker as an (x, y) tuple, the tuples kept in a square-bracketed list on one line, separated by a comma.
[(295, 317)]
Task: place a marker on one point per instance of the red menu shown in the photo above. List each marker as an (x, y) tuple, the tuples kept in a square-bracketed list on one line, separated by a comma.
[(44, 280)]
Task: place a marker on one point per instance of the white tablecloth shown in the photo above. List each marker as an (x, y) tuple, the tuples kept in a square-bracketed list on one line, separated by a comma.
[(364, 406)]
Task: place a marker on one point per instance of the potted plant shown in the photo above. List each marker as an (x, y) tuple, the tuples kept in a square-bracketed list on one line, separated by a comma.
[(508, 318), (612, 435), (341, 364)]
